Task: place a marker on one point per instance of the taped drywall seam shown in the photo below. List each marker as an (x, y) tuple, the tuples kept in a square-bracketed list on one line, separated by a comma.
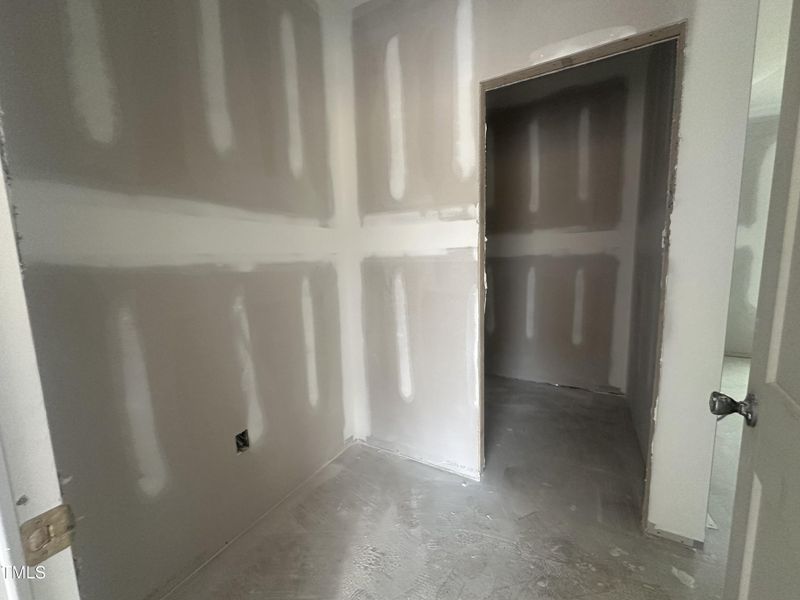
[(310, 341), (292, 89), (577, 314), (336, 23), (402, 345), (535, 158), (93, 91), (584, 154), (530, 304), (256, 422), (212, 62), (138, 400), (71, 225), (394, 98), (464, 150), (556, 242)]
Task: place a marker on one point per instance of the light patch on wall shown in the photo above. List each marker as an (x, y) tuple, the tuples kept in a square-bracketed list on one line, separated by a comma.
[(464, 140), (249, 383), (584, 154), (139, 409), (310, 339), (530, 304), (533, 140), (490, 325), (394, 97), (212, 60), (292, 87), (402, 337), (577, 313), (93, 92)]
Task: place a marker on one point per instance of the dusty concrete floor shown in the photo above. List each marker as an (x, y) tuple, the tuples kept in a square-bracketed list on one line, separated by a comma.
[(555, 517)]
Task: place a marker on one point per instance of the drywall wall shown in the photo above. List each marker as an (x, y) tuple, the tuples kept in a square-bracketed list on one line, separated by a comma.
[(651, 241), (416, 141), (418, 154), (409, 364), (759, 158), (120, 93), (414, 106), (172, 171), (537, 326), (562, 192), (549, 318), (151, 372)]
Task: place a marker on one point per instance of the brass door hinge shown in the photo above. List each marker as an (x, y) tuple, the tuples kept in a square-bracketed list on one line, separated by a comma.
[(46, 535)]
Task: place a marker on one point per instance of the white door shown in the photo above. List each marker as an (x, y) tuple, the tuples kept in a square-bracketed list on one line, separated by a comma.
[(764, 561)]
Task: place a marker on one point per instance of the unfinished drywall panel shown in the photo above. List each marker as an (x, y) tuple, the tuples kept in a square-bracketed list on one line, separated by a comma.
[(413, 310), (172, 178), (415, 111), (551, 318), (507, 35), (151, 374), (563, 171), (558, 162), (219, 104), (414, 120)]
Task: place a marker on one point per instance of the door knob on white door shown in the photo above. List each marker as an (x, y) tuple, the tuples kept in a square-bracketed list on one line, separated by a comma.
[(723, 405)]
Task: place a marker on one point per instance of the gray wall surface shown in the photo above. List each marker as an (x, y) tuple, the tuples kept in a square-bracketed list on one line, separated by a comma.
[(223, 138), (563, 161), (556, 306), (417, 171), (416, 74), (413, 308), (149, 374), (185, 100), (403, 55), (532, 332), (169, 164)]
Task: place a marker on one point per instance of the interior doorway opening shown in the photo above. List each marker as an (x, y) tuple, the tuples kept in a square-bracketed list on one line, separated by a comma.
[(579, 163)]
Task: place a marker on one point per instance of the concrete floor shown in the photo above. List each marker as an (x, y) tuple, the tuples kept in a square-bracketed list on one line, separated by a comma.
[(555, 517)]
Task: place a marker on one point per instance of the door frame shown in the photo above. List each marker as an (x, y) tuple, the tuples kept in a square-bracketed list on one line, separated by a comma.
[(676, 32), (29, 482)]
